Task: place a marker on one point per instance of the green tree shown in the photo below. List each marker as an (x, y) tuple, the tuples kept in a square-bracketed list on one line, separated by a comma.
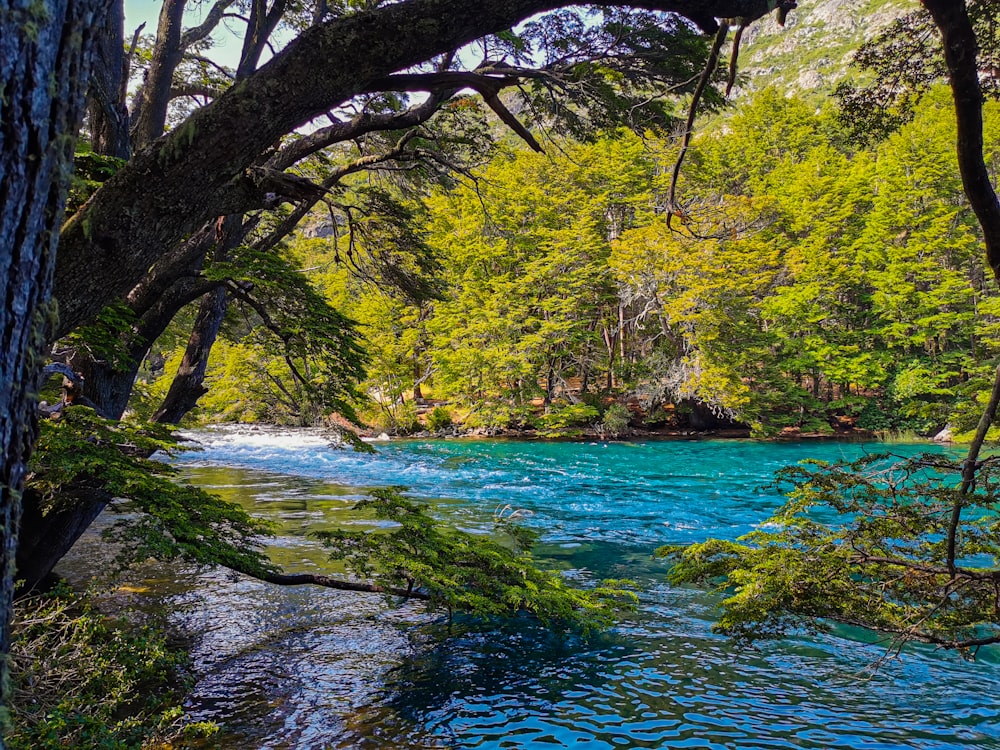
[(907, 549), (531, 303)]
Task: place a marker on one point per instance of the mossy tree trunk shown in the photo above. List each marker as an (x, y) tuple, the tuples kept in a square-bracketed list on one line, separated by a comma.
[(44, 59)]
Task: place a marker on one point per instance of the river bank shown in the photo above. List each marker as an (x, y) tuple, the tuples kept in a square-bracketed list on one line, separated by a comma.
[(590, 433)]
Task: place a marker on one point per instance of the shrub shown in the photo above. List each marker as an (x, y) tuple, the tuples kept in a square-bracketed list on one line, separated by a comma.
[(571, 415), (439, 419), (399, 418), (499, 416), (616, 420), (80, 679)]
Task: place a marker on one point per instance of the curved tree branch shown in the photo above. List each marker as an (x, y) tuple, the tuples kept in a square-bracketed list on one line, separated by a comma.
[(194, 89), (969, 468), (706, 75), (206, 27), (301, 579), (356, 127)]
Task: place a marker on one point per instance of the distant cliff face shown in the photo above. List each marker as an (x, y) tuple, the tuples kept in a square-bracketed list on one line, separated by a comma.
[(812, 53)]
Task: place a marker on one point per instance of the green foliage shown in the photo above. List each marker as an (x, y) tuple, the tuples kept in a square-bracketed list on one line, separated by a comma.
[(90, 171), (108, 337), (499, 415), (569, 415), (804, 280), (439, 419), (81, 680), (467, 572), (639, 53), (527, 290), (904, 62), (399, 417), (305, 353), (616, 420), (396, 340), (807, 284), (231, 367), (81, 454), (865, 544)]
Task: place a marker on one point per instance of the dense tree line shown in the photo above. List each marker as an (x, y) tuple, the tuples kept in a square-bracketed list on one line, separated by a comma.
[(809, 283)]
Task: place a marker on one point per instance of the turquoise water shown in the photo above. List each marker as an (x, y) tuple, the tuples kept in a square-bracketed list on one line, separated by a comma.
[(308, 668)]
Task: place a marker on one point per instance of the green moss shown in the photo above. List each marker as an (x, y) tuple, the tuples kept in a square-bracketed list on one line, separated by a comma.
[(180, 140), (31, 19)]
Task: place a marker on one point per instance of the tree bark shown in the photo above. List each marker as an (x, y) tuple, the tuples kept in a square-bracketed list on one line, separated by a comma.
[(960, 51), (47, 536), (174, 282), (188, 384), (153, 98), (110, 384), (261, 25), (200, 170), (43, 75), (107, 112)]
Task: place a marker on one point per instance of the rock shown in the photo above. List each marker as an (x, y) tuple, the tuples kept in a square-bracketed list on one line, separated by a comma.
[(944, 436)]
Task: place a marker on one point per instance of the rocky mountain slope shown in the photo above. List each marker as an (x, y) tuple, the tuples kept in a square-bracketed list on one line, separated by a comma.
[(812, 53)]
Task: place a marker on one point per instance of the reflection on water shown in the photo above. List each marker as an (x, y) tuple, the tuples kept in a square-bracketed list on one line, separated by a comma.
[(310, 668)]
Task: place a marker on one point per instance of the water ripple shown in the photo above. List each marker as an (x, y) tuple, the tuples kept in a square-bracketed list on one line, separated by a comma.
[(305, 669)]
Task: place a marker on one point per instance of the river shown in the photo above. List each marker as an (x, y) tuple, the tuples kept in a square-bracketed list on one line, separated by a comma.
[(312, 668)]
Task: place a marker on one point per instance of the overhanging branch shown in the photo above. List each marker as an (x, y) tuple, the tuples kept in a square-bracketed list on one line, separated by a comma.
[(304, 579)]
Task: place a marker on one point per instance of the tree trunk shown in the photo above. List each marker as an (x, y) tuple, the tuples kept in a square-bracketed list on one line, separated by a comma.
[(169, 286), (418, 393), (960, 45), (153, 98), (610, 345), (188, 384), (47, 536), (110, 384), (43, 77), (106, 97), (550, 383)]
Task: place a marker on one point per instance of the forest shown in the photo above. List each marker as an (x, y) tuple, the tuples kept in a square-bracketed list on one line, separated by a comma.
[(818, 283), (521, 218)]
